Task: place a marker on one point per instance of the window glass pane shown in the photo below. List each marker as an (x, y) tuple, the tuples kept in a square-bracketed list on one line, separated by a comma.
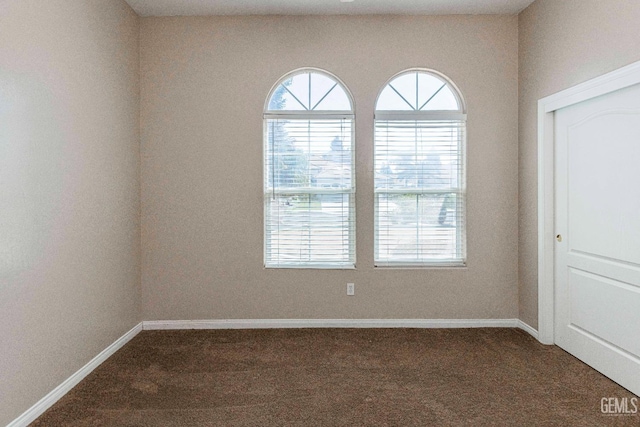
[(299, 87), (310, 91), (417, 228), (443, 100), (327, 94), (390, 100), (417, 91), (336, 100), (405, 86), (282, 99), (309, 229), (308, 154), (428, 85), (418, 154)]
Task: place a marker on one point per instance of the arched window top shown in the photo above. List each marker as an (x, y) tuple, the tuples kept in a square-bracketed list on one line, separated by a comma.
[(419, 90), (309, 90)]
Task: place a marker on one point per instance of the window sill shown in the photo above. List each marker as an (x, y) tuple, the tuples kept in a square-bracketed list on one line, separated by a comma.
[(309, 267), (434, 266)]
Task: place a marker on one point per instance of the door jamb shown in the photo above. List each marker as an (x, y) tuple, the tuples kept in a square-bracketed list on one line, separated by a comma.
[(607, 83)]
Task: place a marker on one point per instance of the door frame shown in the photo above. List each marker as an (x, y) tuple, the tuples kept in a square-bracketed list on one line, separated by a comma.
[(602, 85)]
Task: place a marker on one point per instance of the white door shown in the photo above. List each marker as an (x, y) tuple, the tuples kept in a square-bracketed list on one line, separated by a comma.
[(597, 257)]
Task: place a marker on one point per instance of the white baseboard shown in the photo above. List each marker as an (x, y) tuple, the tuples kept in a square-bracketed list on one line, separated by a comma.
[(46, 402), (528, 329), (333, 323)]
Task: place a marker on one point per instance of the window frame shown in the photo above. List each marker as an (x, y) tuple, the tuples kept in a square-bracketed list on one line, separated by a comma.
[(311, 115), (460, 114)]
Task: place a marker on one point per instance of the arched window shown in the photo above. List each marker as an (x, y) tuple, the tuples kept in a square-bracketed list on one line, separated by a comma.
[(309, 183), (419, 165)]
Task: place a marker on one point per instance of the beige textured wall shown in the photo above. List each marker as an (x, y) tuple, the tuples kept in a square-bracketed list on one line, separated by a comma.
[(562, 43), (69, 189), (203, 88)]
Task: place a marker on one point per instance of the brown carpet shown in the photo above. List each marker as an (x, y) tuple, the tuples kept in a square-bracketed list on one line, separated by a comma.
[(339, 377)]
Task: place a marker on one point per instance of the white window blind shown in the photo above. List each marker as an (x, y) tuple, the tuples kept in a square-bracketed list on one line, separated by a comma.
[(419, 174), (308, 175)]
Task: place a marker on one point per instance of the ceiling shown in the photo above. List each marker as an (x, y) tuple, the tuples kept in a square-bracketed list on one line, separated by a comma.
[(325, 7)]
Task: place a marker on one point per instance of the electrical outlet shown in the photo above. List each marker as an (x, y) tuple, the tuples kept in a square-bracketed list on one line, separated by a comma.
[(351, 289)]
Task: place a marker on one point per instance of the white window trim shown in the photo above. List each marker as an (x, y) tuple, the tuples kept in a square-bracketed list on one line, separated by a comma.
[(435, 115), (314, 115)]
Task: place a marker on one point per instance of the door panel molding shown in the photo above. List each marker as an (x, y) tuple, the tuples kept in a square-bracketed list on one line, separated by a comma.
[(607, 83)]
